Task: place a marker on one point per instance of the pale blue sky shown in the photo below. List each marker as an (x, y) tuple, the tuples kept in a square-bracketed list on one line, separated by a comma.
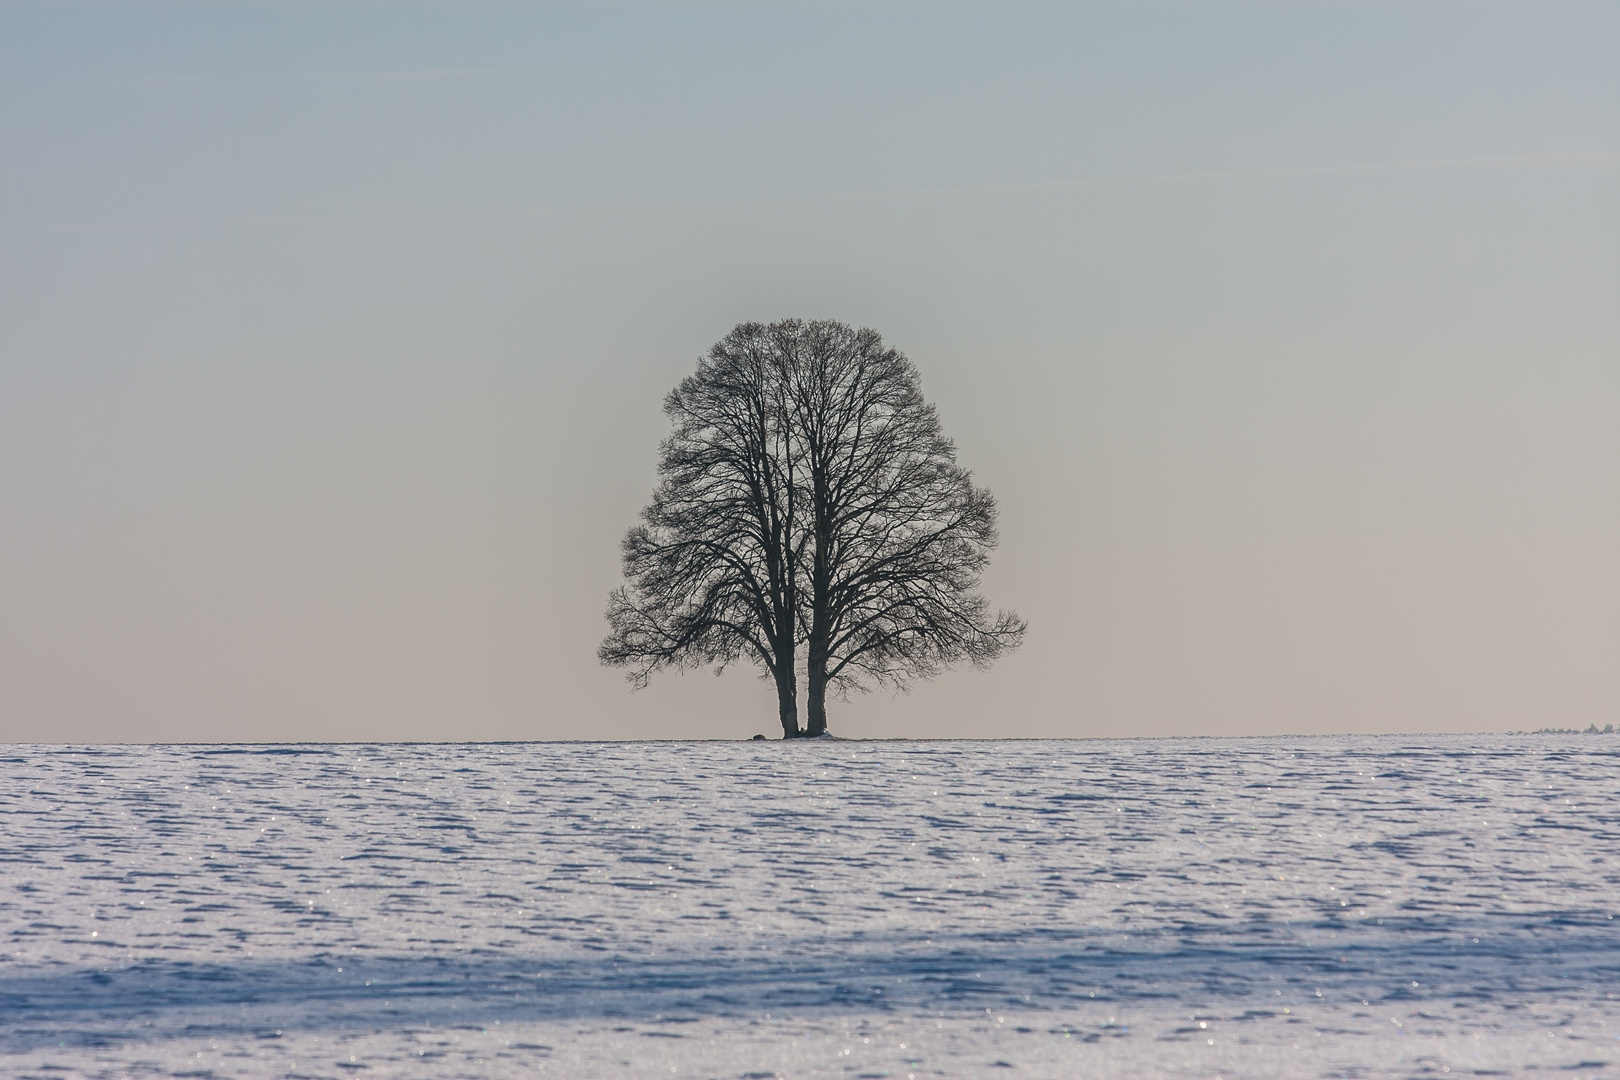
[(333, 340)]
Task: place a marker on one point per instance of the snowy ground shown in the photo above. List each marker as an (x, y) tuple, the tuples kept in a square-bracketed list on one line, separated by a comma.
[(1363, 907)]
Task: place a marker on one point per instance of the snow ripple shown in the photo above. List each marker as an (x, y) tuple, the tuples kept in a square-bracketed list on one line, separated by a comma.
[(1368, 906)]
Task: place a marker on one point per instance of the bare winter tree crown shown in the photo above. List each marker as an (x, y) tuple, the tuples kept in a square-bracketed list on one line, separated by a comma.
[(810, 517)]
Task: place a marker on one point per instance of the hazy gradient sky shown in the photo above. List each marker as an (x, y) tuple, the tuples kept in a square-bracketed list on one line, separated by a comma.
[(333, 340)]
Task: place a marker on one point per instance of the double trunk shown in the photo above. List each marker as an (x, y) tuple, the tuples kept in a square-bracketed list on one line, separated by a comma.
[(784, 655), (787, 702)]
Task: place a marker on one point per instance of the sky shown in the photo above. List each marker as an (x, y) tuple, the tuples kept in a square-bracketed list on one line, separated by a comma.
[(334, 340)]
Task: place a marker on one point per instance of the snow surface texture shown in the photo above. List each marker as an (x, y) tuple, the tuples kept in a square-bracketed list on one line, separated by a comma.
[(1177, 908)]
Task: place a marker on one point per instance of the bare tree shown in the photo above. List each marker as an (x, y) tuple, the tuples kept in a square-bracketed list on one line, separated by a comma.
[(712, 571), (898, 534), (808, 496)]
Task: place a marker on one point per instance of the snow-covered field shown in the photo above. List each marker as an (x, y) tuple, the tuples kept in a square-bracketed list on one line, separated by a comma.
[(1284, 907)]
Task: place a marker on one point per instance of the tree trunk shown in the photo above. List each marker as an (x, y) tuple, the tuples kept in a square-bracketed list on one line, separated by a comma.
[(816, 648), (816, 717), (787, 704)]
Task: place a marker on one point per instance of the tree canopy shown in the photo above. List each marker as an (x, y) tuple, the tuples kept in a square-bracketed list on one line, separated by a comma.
[(810, 515)]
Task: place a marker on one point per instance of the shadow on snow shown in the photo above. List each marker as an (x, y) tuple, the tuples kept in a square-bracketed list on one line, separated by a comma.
[(1481, 959)]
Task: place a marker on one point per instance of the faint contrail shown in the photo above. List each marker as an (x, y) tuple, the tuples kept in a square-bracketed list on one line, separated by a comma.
[(1593, 157), (1598, 157)]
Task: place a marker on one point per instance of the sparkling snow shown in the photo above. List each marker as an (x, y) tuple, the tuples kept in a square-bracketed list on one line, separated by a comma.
[(1363, 907)]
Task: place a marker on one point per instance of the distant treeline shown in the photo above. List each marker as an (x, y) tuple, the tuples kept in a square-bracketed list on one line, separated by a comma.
[(1591, 729)]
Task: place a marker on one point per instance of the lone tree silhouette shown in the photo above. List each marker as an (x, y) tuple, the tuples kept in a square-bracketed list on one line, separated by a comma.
[(807, 498)]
